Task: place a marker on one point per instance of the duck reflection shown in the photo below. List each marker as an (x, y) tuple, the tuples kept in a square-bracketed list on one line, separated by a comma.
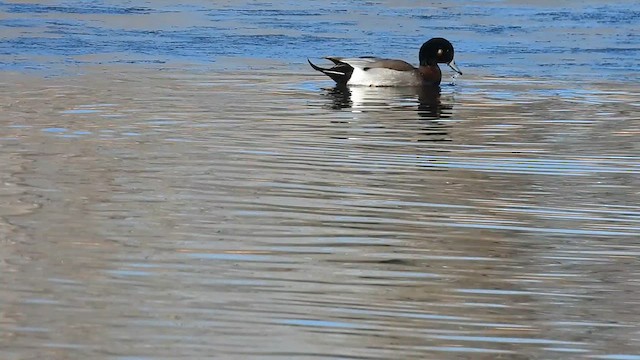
[(396, 104), (340, 96), (429, 104)]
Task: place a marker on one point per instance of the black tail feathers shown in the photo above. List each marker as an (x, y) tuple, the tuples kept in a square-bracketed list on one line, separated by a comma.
[(340, 73)]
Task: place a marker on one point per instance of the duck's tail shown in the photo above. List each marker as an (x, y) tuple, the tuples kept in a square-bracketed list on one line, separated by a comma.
[(340, 73)]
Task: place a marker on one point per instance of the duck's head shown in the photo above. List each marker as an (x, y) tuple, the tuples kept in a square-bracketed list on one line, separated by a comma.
[(438, 50)]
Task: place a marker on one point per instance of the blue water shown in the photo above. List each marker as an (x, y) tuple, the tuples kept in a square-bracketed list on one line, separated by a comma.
[(502, 38)]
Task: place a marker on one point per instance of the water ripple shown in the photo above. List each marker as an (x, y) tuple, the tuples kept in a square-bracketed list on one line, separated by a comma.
[(215, 196)]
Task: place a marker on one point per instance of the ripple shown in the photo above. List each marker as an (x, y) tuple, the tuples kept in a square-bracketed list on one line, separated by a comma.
[(177, 183)]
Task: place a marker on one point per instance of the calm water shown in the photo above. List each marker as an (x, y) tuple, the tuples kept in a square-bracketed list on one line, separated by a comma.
[(177, 183)]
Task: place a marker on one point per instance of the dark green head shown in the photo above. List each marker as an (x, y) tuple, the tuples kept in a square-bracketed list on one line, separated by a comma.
[(437, 50)]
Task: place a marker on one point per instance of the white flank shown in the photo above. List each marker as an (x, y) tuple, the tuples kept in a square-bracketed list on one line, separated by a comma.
[(382, 77)]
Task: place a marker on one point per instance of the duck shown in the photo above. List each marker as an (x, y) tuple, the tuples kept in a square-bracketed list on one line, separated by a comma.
[(375, 71)]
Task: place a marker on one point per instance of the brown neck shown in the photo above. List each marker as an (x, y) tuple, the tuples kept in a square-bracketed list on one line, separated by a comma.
[(430, 74)]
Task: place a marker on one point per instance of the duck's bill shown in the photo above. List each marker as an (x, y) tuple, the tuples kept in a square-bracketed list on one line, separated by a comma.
[(454, 67)]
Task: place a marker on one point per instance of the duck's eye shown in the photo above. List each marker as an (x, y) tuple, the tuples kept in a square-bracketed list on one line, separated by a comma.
[(440, 51)]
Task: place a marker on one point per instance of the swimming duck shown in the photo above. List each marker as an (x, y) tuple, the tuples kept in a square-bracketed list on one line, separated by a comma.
[(374, 71)]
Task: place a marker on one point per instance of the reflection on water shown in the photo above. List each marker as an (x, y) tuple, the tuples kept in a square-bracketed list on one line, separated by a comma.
[(423, 102), (192, 211), (429, 104)]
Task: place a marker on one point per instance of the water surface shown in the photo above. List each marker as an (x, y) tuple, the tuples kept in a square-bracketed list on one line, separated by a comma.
[(177, 183)]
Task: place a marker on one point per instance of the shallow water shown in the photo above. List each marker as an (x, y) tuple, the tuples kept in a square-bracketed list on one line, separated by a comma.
[(177, 183)]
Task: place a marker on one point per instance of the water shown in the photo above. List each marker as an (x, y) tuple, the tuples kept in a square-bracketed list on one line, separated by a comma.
[(177, 183)]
